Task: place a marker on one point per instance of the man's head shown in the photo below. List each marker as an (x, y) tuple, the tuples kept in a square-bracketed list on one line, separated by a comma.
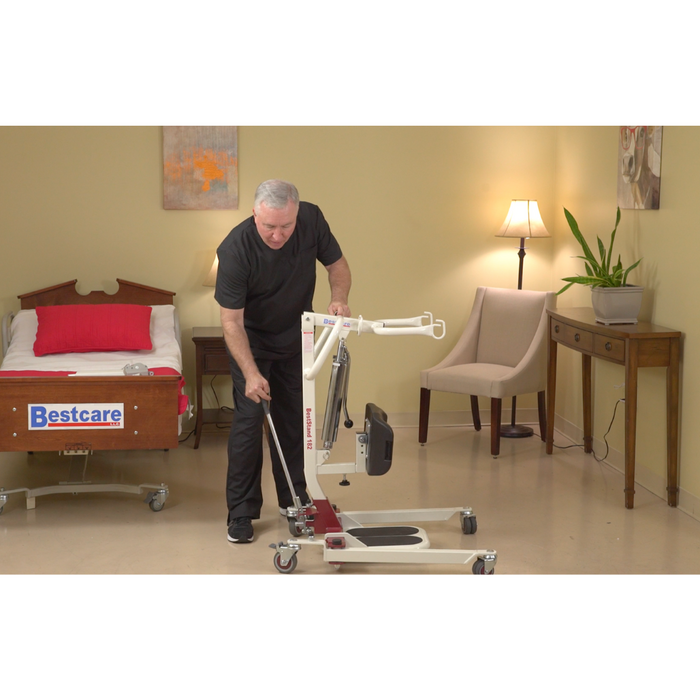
[(275, 212)]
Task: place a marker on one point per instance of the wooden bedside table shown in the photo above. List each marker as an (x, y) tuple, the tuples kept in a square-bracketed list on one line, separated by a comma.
[(211, 359)]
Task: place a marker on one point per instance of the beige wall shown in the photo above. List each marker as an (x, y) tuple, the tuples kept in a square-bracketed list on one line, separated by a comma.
[(666, 239), (415, 210)]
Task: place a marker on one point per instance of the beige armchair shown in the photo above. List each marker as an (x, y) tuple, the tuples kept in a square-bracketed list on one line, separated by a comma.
[(502, 353)]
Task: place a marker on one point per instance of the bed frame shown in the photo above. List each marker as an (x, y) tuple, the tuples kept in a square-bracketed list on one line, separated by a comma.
[(148, 423)]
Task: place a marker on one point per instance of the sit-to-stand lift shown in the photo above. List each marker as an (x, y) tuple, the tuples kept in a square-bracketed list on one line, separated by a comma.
[(344, 537)]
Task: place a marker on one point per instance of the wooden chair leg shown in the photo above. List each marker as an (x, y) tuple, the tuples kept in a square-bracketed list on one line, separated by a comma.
[(423, 415), (542, 412), (495, 427), (475, 413)]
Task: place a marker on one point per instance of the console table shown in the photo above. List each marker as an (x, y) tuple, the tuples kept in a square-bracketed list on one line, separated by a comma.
[(631, 345), (211, 359)]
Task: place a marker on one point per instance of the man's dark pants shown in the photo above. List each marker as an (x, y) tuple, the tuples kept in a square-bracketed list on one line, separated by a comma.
[(245, 444)]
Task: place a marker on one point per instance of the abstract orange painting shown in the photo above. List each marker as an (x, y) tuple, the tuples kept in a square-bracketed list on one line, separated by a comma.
[(200, 167)]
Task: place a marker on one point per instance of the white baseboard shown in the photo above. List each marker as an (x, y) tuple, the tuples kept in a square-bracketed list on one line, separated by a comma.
[(643, 475)]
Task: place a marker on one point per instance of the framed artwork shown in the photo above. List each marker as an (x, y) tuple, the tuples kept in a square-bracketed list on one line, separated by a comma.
[(639, 167), (200, 167)]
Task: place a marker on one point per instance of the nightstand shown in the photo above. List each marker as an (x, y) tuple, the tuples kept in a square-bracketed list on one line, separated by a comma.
[(211, 359)]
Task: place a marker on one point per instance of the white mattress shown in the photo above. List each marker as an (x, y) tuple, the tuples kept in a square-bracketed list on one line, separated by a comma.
[(165, 353)]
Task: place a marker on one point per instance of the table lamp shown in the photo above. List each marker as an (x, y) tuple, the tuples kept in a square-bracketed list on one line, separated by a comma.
[(523, 221)]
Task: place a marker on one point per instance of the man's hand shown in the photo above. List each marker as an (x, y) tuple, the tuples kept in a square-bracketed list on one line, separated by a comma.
[(337, 308), (257, 388)]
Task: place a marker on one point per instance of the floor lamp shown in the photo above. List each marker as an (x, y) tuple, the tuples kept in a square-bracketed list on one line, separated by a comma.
[(523, 221)]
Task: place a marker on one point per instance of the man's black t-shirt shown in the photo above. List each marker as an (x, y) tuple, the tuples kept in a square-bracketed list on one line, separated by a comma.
[(274, 286)]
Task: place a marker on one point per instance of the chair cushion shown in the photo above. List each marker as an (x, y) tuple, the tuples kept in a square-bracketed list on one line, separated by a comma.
[(482, 379)]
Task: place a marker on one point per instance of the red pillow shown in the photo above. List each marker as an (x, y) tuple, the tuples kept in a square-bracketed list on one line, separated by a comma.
[(92, 328)]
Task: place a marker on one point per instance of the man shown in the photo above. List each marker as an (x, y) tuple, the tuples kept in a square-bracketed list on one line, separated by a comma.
[(265, 281)]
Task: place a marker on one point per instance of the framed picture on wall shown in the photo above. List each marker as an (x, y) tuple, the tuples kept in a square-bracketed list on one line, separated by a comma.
[(200, 167), (639, 167)]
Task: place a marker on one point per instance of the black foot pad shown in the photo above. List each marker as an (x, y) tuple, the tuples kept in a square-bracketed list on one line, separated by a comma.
[(386, 536)]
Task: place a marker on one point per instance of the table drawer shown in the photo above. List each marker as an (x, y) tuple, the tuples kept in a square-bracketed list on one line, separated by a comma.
[(573, 337), (216, 361), (609, 348)]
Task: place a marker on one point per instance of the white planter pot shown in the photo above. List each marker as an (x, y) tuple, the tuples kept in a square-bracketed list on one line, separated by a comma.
[(616, 304)]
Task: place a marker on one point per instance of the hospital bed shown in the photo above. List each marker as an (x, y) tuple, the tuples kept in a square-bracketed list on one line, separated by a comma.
[(358, 536), (97, 394)]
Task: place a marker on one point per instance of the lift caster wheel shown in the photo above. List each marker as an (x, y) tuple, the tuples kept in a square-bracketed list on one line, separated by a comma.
[(156, 506), (285, 568), (469, 525), (295, 529), (480, 568)]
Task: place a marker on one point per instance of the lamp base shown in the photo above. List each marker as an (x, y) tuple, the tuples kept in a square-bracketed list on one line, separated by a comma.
[(516, 431)]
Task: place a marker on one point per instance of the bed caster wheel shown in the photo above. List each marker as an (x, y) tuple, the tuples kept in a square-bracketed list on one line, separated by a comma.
[(287, 567), (468, 524), (479, 568), (156, 500)]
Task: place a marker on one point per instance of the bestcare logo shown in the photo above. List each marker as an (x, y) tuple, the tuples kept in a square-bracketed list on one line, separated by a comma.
[(65, 416)]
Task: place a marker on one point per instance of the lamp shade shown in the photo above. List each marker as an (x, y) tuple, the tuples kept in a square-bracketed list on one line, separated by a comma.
[(210, 281), (523, 221)]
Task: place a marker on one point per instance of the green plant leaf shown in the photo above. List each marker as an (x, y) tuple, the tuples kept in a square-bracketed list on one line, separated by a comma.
[(603, 261), (578, 236), (612, 235), (629, 269), (598, 274), (563, 289)]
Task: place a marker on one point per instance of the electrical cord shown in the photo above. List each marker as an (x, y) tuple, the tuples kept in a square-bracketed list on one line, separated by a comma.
[(607, 446), (186, 438), (218, 404)]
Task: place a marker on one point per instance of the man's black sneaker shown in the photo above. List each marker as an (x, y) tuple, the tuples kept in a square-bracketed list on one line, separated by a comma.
[(240, 530)]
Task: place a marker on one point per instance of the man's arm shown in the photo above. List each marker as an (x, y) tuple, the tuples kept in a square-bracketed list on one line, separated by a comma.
[(340, 279), (256, 386)]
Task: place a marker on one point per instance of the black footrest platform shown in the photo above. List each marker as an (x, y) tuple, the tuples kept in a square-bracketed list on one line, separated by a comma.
[(386, 536)]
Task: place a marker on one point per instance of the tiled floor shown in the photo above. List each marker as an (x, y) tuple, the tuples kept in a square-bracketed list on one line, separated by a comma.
[(560, 514)]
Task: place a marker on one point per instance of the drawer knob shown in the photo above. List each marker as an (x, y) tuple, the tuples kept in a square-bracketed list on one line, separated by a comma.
[(608, 346), (556, 329), (577, 337)]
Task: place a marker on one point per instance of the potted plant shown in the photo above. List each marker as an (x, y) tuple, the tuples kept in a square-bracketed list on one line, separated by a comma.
[(614, 301)]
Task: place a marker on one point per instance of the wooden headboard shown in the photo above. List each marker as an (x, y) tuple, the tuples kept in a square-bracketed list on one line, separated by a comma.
[(66, 293)]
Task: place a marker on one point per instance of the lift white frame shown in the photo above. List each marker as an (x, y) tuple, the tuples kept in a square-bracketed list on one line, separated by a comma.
[(320, 524)]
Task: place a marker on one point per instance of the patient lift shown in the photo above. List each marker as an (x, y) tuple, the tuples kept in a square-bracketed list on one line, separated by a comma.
[(345, 537)]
